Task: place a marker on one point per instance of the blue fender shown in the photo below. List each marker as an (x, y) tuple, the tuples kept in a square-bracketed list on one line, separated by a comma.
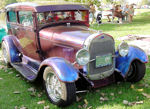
[(13, 51), (63, 69), (135, 53)]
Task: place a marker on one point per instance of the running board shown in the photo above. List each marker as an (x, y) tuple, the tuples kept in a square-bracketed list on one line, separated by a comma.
[(28, 72)]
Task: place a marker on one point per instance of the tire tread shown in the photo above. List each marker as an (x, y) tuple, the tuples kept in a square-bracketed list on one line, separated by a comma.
[(71, 94), (141, 69)]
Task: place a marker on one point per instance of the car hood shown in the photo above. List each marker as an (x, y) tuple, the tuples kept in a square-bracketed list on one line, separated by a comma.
[(70, 36)]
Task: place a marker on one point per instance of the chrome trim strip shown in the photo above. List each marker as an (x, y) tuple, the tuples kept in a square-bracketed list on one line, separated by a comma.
[(87, 42), (101, 75)]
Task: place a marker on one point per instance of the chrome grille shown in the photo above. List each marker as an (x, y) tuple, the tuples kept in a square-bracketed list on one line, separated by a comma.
[(99, 46)]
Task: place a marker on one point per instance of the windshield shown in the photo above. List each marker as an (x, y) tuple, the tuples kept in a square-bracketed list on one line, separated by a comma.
[(47, 18)]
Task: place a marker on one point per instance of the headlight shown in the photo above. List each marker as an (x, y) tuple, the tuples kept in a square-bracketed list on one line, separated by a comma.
[(82, 57), (123, 49)]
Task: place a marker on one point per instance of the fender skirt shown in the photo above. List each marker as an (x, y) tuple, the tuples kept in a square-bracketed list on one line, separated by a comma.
[(123, 63), (63, 69), (13, 51)]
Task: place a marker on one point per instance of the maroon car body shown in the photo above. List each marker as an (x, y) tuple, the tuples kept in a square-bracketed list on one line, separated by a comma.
[(51, 37)]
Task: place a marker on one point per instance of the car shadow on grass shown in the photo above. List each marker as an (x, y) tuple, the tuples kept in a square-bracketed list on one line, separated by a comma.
[(120, 95), (111, 96)]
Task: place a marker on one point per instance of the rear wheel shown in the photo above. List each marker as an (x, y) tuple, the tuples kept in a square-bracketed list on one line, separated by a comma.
[(5, 53), (58, 92), (136, 71)]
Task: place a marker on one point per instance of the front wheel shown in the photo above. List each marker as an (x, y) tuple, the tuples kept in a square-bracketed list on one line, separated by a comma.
[(58, 92), (136, 71)]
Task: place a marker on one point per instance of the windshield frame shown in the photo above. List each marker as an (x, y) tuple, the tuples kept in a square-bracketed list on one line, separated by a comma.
[(86, 22)]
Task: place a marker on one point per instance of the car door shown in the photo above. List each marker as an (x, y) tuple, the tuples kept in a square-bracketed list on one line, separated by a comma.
[(26, 34)]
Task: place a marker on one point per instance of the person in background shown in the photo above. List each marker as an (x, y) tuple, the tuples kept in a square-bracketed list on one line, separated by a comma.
[(50, 17), (131, 13), (99, 15), (68, 16), (112, 13), (118, 13), (125, 12), (92, 12)]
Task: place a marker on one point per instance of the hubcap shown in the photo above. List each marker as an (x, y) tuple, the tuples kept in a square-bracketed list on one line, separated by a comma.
[(53, 87)]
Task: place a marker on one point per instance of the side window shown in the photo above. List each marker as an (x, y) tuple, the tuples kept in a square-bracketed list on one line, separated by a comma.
[(25, 18), (12, 16)]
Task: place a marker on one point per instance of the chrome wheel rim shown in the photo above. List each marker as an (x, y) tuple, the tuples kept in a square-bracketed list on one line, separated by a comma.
[(53, 87), (4, 54)]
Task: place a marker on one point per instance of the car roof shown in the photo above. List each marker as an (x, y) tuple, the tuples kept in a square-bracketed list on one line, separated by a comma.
[(40, 7)]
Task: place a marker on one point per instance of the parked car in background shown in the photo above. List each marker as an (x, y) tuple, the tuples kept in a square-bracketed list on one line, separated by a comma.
[(2, 34), (54, 43), (2, 25)]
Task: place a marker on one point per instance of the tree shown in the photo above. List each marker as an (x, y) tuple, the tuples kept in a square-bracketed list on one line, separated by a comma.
[(145, 2), (9, 1), (88, 2), (115, 1), (3, 3), (110, 1)]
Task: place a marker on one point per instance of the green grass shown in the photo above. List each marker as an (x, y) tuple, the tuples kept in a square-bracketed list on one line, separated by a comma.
[(11, 83)]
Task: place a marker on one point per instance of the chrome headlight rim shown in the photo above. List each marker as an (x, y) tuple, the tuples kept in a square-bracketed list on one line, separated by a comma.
[(123, 49), (79, 53)]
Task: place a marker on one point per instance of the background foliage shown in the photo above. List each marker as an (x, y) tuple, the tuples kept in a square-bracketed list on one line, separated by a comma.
[(3, 3)]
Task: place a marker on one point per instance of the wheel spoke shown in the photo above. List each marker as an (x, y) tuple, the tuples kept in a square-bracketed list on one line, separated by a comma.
[(4, 55), (59, 90)]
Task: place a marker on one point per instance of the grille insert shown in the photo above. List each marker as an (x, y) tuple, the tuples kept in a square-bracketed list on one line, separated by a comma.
[(101, 47)]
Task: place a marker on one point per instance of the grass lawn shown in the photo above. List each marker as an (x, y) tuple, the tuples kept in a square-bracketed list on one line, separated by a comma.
[(14, 90)]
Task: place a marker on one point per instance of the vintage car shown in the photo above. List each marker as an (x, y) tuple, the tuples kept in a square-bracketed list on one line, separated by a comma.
[(54, 43)]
